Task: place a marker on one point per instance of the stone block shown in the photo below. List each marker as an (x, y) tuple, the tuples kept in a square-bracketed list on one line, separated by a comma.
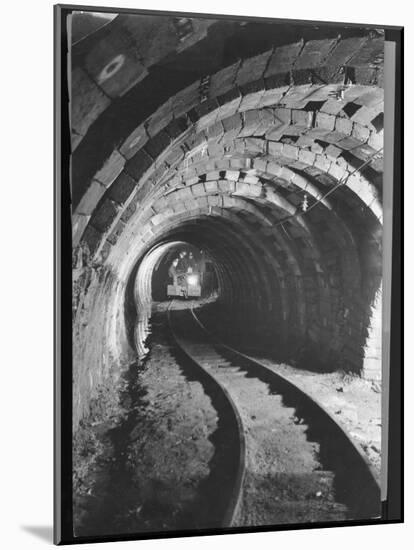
[(267, 121), (174, 156), (214, 175), (298, 96), (214, 200), (229, 108), (192, 181), (157, 144), (253, 87), (312, 56), (365, 115), (254, 145), (251, 179), (116, 232), (138, 164), (240, 163), (251, 101), (334, 137), (325, 121), (274, 169), (215, 131), (242, 188), (344, 125), (283, 115), (224, 80), (251, 121), (137, 139), (198, 189), (121, 188), (333, 106), (186, 99), (283, 59), (275, 148), (322, 162), (226, 186), (338, 172), (202, 109), (333, 152), (273, 96), (307, 157), (92, 238), (232, 175), (301, 118), (371, 98), (290, 151), (211, 186), (215, 149), (104, 215), (129, 210), (177, 127), (376, 140), (162, 203), (360, 132), (363, 152), (184, 194), (253, 69), (90, 199), (79, 224), (114, 63), (348, 143), (344, 51), (233, 123), (110, 169)]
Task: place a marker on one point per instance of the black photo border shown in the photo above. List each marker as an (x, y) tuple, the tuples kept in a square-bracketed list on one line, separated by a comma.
[(392, 508)]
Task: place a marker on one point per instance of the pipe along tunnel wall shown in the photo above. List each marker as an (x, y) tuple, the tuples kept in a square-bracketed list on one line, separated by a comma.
[(225, 164)]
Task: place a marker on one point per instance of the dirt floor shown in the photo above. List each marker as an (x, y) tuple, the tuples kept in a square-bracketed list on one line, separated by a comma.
[(141, 469)]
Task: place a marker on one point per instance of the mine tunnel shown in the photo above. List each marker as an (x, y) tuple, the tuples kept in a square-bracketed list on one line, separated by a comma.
[(260, 153), (222, 168)]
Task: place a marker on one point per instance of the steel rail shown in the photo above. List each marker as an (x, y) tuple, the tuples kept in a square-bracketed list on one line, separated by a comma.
[(350, 463), (359, 459), (234, 499)]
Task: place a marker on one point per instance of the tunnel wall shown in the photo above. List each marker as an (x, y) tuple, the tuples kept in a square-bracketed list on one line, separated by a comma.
[(225, 164)]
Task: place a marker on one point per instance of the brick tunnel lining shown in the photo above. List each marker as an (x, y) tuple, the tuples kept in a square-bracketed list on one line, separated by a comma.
[(266, 294), (228, 46), (320, 278)]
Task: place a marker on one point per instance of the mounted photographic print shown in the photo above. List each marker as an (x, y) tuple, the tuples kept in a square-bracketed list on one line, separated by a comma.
[(228, 195)]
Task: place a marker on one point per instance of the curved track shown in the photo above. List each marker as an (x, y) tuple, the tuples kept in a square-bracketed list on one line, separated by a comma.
[(289, 460)]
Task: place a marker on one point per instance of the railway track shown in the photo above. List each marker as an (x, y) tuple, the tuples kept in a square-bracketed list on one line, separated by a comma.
[(285, 459)]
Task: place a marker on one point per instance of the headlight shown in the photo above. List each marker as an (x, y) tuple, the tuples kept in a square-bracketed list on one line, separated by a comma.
[(192, 279)]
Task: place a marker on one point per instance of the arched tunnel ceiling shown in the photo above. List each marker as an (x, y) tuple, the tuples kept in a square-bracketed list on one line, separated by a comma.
[(226, 159)]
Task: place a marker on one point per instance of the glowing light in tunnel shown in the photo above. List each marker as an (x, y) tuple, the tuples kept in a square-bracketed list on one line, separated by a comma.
[(192, 280)]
